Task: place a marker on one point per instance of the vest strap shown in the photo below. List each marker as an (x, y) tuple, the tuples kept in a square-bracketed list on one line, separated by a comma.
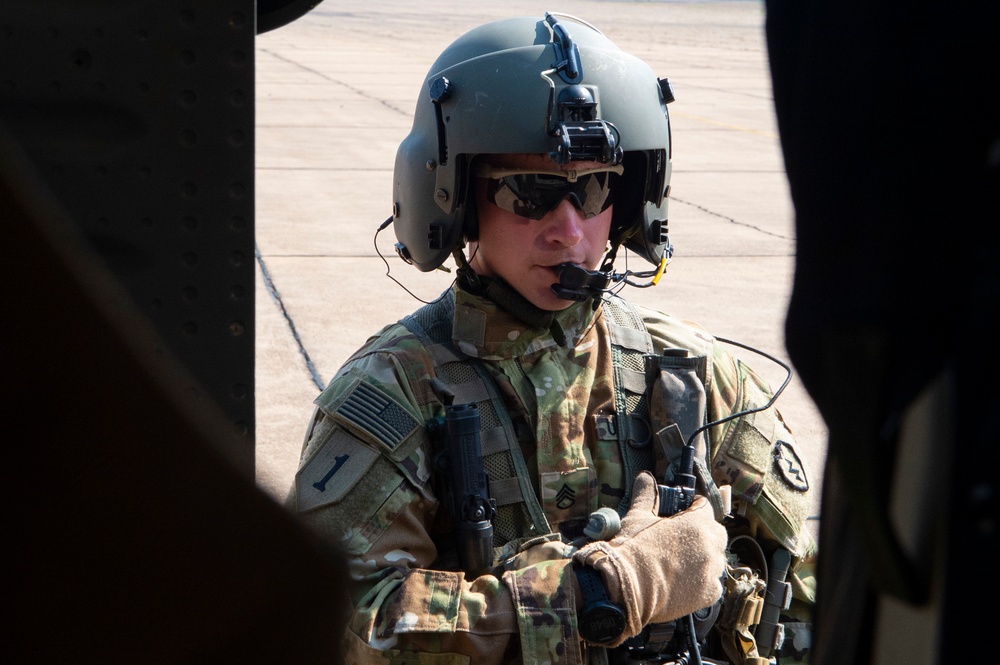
[(630, 343), (510, 484)]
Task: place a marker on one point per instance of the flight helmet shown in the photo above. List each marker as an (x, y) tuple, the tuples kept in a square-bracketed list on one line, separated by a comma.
[(554, 85)]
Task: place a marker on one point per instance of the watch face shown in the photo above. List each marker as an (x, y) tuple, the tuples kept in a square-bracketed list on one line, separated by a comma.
[(603, 623)]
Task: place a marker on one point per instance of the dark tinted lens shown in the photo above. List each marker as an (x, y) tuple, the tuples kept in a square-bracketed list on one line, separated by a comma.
[(596, 193), (533, 195)]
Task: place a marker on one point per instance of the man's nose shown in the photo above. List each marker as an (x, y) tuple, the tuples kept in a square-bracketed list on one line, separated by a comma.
[(564, 224)]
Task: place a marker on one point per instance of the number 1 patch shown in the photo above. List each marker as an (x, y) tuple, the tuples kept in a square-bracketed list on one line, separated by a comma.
[(333, 471)]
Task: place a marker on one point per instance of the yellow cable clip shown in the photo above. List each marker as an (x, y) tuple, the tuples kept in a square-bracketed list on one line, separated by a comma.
[(659, 270)]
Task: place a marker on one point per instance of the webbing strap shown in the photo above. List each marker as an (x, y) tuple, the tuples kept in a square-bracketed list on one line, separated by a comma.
[(625, 326), (627, 337), (469, 391), (441, 353), (632, 380), (628, 333), (493, 440), (506, 491)]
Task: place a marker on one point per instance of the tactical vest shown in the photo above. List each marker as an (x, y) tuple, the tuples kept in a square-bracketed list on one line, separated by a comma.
[(675, 385), (519, 515)]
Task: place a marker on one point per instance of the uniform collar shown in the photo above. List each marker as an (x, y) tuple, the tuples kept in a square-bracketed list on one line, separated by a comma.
[(484, 329)]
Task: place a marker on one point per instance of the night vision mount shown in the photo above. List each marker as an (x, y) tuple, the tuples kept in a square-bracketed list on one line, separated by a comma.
[(576, 133)]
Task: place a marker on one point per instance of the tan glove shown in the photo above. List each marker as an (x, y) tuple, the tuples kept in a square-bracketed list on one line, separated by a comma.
[(660, 568)]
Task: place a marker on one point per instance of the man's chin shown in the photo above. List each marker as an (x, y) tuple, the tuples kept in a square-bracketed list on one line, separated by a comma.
[(550, 302)]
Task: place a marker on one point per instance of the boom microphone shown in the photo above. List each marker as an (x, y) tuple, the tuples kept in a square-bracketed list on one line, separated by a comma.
[(576, 283)]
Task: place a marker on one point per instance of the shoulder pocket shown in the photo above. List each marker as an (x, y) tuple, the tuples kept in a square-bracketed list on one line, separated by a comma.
[(382, 422)]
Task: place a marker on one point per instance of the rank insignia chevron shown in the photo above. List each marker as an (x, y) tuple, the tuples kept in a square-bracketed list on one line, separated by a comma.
[(566, 497)]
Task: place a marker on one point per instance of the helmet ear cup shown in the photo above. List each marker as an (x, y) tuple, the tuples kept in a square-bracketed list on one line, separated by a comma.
[(640, 213), (627, 216)]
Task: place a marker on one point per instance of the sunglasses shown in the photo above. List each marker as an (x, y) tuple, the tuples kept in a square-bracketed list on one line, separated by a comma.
[(534, 194)]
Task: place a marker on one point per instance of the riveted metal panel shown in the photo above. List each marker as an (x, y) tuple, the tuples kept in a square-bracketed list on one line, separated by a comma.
[(139, 116)]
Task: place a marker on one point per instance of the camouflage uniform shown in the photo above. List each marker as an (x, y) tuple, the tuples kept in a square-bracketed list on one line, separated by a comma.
[(372, 488)]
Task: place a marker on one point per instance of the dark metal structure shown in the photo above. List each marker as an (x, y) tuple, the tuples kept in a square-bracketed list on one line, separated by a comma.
[(127, 209), (139, 117)]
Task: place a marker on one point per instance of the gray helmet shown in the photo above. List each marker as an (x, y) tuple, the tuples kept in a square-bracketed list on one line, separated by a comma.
[(529, 85)]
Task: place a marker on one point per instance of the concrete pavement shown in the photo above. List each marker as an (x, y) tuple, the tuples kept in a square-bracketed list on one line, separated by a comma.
[(335, 95)]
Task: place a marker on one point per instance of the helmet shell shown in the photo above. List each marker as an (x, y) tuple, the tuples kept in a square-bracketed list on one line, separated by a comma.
[(496, 89)]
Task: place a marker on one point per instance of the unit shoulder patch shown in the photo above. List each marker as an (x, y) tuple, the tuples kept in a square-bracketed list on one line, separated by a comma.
[(790, 466), (333, 471)]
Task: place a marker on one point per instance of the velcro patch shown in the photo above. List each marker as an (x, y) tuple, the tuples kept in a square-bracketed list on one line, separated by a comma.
[(370, 411), (333, 471)]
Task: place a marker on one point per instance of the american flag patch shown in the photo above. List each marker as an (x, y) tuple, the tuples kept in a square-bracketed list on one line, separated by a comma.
[(371, 410)]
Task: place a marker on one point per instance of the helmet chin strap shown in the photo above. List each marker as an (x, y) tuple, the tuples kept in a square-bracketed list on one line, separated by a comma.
[(501, 293), (507, 298)]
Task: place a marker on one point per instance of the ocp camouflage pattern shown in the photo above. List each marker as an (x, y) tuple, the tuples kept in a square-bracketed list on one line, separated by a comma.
[(386, 511)]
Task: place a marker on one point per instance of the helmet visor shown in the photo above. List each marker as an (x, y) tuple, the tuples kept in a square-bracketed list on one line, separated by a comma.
[(533, 193)]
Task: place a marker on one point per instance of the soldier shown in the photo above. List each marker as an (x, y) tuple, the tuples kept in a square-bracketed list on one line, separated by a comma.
[(539, 150)]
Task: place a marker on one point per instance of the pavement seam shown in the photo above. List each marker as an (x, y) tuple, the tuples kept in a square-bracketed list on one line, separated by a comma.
[(276, 297), (338, 82), (730, 219)]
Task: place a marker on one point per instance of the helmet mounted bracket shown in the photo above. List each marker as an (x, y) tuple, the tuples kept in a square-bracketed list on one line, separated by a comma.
[(567, 52), (577, 133)]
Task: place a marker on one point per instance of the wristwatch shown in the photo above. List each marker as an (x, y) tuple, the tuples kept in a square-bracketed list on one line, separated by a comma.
[(600, 621)]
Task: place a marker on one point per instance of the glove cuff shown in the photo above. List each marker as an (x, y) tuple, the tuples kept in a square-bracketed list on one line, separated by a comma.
[(619, 580)]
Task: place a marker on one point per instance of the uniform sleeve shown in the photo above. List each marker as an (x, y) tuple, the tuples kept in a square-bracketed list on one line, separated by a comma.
[(365, 484), (756, 454), (772, 484)]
